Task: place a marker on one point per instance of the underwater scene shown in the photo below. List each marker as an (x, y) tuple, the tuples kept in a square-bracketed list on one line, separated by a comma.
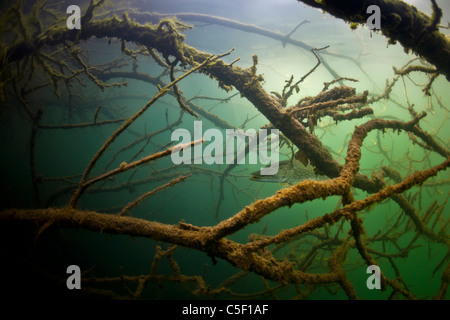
[(225, 150)]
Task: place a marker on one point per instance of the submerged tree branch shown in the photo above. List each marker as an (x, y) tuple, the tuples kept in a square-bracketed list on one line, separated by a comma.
[(164, 43), (399, 22)]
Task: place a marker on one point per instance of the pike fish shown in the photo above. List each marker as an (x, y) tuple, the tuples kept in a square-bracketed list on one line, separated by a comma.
[(289, 172)]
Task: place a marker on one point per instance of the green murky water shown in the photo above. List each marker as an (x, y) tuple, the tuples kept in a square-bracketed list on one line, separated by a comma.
[(359, 54)]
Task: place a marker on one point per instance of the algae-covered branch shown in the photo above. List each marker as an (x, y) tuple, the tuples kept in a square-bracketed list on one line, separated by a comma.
[(130, 142)]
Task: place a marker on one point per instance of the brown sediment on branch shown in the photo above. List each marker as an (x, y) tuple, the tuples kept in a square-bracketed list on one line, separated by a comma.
[(256, 255), (353, 114), (83, 182), (415, 68), (309, 190), (127, 166), (131, 186), (155, 17), (170, 43), (210, 239), (326, 104), (147, 194), (146, 137)]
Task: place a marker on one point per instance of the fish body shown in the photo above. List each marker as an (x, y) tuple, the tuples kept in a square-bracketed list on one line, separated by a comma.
[(290, 172)]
